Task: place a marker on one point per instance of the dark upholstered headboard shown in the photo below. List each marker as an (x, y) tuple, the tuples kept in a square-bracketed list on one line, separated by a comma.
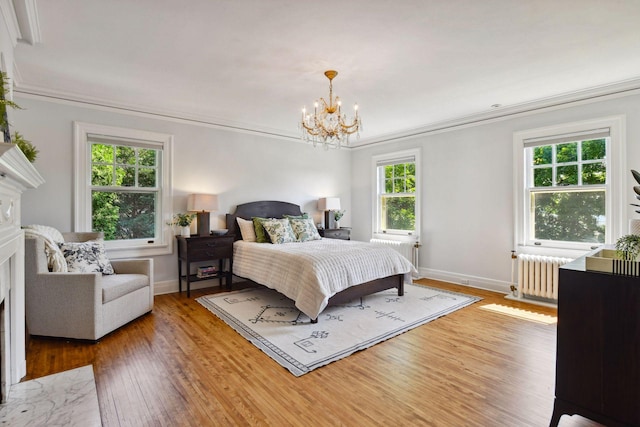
[(263, 209)]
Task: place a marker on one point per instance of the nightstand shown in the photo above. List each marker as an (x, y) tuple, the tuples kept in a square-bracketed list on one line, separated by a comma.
[(204, 248), (336, 233)]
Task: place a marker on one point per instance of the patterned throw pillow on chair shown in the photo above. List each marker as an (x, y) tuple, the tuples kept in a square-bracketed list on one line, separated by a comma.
[(86, 257)]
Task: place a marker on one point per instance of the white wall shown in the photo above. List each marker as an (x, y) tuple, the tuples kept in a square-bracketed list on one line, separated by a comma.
[(239, 167), (467, 190)]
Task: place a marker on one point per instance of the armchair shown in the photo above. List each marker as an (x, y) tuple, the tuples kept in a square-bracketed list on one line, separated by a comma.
[(83, 305)]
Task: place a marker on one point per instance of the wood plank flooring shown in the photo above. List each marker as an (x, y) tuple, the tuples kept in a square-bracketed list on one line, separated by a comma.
[(182, 366)]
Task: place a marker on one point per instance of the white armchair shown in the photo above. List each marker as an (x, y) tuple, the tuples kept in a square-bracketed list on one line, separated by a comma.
[(83, 305)]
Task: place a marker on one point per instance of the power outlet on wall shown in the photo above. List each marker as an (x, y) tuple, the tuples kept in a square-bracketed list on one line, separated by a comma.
[(464, 281)]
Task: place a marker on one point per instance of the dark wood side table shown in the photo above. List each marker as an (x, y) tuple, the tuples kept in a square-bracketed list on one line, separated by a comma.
[(336, 233), (204, 248)]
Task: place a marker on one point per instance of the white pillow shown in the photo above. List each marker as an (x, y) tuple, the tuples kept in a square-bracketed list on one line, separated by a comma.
[(86, 257), (247, 230), (51, 237)]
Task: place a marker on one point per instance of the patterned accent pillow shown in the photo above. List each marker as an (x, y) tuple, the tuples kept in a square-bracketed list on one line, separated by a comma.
[(279, 230), (247, 230), (86, 257), (304, 229), (261, 234), (303, 216)]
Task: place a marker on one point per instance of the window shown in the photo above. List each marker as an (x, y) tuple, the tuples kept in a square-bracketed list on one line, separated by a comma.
[(123, 188), (396, 185), (568, 185)]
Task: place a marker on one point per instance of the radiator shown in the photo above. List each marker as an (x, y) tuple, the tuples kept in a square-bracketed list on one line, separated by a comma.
[(538, 275), (407, 249)]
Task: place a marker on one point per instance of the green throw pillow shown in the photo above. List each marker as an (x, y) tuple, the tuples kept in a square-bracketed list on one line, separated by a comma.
[(261, 234), (303, 216)]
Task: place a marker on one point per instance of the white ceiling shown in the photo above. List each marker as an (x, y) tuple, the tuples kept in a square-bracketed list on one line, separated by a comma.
[(253, 64)]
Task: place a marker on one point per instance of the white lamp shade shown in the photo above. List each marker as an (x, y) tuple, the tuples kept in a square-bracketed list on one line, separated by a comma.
[(329, 204), (202, 203)]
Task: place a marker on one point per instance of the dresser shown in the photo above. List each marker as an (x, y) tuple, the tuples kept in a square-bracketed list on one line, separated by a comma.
[(201, 249), (336, 233), (598, 346)]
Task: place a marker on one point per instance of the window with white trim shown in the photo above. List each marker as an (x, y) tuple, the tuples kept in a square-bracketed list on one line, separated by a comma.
[(123, 188), (569, 184), (397, 194)]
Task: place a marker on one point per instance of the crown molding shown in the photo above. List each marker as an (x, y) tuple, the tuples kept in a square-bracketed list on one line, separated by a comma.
[(10, 21), (29, 91), (586, 96), (26, 12), (596, 94)]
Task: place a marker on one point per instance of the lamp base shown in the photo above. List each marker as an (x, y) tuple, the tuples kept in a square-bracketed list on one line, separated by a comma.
[(203, 224), (327, 220)]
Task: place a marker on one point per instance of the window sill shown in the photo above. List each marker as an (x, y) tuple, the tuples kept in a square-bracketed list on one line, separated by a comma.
[(396, 237), (138, 251), (550, 251)]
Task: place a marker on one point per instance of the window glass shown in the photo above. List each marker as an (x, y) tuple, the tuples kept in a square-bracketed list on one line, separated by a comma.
[(396, 197), (568, 191), (124, 214)]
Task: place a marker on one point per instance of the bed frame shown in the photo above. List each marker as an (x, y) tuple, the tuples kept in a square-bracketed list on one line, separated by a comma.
[(275, 209)]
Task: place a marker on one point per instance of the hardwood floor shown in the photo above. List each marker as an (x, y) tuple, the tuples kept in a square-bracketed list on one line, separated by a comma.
[(181, 365)]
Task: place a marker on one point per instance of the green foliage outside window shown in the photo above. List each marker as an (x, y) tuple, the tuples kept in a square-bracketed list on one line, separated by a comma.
[(578, 213), (398, 197), (124, 195)]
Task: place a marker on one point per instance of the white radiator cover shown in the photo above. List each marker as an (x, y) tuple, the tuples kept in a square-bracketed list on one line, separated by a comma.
[(409, 250), (538, 275)]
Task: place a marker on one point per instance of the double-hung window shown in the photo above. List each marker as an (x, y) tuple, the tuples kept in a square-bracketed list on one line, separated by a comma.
[(397, 204), (568, 191), (123, 188)]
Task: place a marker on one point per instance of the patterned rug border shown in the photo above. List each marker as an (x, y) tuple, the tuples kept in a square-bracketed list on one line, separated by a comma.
[(297, 368)]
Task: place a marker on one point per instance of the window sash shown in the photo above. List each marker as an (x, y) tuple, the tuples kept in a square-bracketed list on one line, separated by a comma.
[(379, 190), (85, 135), (616, 173)]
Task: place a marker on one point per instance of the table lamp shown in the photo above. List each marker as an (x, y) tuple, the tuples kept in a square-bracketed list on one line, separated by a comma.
[(328, 204), (203, 204)]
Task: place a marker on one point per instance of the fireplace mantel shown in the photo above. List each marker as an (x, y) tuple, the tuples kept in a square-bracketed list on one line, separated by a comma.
[(16, 176)]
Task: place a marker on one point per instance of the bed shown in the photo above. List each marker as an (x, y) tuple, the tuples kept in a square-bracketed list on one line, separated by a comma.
[(314, 274)]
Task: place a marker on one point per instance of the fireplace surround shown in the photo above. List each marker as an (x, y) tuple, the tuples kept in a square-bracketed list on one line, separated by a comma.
[(16, 176)]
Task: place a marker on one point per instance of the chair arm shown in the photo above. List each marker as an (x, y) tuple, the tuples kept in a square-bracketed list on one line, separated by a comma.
[(64, 304), (133, 266), (68, 287)]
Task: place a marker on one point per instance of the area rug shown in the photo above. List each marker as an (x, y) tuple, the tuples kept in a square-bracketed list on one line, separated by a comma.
[(520, 313), (272, 323)]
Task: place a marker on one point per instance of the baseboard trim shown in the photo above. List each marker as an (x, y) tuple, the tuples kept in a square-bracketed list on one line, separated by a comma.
[(466, 280), (171, 286)]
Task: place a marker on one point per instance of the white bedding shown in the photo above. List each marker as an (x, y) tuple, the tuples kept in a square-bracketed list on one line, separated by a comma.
[(311, 272)]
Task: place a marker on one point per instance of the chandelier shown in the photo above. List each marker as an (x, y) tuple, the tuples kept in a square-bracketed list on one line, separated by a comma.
[(328, 125)]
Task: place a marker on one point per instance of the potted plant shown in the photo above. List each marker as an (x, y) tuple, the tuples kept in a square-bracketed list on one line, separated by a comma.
[(634, 224), (183, 220), (628, 247), (336, 217), (27, 148)]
